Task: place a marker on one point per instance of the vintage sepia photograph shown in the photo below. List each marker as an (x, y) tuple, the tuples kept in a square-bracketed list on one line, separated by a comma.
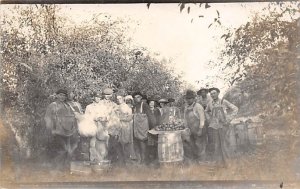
[(143, 95)]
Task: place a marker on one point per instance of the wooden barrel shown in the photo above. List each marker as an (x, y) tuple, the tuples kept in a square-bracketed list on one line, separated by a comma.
[(170, 147), (231, 143), (242, 138), (255, 132)]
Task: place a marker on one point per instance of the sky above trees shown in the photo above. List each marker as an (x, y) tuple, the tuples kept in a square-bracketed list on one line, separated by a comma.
[(184, 38)]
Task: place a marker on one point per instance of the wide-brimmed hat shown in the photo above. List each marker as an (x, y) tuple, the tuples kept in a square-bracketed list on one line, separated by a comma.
[(163, 100), (202, 89), (144, 97), (152, 98), (190, 94), (171, 100), (107, 91), (214, 89), (62, 91), (96, 94), (128, 97), (137, 94)]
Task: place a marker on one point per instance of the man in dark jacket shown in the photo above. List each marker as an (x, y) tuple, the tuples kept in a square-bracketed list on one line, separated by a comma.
[(153, 139), (60, 121), (143, 120)]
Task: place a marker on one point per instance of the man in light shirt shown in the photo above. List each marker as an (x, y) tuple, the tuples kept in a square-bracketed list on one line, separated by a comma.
[(218, 119), (203, 98)]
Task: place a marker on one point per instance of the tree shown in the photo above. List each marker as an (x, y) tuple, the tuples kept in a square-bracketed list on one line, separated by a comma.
[(41, 53), (262, 55)]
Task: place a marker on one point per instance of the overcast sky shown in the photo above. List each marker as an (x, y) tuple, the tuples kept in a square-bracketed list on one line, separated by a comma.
[(165, 30)]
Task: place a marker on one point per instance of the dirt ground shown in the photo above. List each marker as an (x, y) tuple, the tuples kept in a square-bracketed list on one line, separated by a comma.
[(276, 159)]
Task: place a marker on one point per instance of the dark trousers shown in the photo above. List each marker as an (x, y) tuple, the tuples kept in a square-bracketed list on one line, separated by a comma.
[(152, 148), (216, 147), (115, 151), (82, 151), (140, 147), (126, 151), (62, 149), (194, 148)]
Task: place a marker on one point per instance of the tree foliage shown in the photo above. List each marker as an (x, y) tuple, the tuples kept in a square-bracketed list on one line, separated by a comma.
[(262, 58), (41, 53)]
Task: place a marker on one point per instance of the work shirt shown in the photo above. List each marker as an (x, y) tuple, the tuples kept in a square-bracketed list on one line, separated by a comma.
[(214, 116), (204, 101)]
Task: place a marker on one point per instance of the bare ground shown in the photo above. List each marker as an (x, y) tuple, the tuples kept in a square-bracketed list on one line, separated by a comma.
[(274, 160)]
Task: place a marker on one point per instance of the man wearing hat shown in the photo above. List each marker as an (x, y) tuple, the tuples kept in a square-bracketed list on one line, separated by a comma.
[(112, 124), (203, 98), (104, 114), (218, 119), (164, 110), (153, 139), (143, 120), (144, 98), (194, 120), (125, 140), (93, 111), (174, 111), (61, 122)]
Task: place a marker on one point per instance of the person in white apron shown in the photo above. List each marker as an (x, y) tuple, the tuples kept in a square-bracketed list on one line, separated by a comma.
[(216, 113), (111, 122), (129, 103), (126, 129), (94, 112)]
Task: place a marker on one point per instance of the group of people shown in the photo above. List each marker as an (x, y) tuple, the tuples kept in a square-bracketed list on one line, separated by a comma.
[(116, 126)]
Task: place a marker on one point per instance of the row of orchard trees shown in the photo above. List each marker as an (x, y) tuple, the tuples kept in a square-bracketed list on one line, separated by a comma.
[(263, 56), (41, 53)]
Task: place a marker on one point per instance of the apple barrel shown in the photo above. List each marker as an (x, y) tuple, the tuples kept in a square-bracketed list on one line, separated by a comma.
[(170, 147), (241, 136), (255, 132)]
